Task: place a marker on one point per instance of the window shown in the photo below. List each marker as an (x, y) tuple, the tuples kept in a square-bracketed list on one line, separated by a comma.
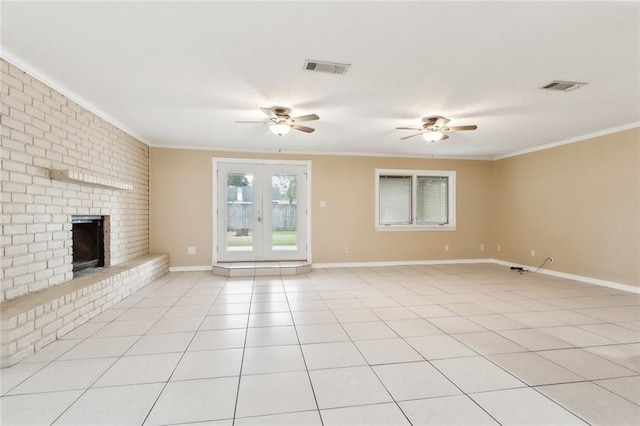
[(415, 200)]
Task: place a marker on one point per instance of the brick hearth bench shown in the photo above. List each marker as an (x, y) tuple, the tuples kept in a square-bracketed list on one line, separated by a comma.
[(31, 322)]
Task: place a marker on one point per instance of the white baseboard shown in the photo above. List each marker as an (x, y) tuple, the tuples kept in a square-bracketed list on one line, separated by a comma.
[(190, 268), (588, 280), (397, 263)]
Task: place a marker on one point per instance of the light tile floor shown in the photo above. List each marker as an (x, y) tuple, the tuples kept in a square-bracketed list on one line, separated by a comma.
[(450, 344)]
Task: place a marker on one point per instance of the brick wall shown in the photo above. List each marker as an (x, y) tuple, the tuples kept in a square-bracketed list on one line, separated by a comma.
[(40, 130)]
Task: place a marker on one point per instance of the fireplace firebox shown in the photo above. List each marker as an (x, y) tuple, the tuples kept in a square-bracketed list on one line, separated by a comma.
[(88, 242)]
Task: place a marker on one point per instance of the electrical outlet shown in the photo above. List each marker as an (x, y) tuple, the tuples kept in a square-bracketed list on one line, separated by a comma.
[(191, 250), (481, 246), (499, 248), (551, 260), (533, 252), (346, 249), (446, 247)]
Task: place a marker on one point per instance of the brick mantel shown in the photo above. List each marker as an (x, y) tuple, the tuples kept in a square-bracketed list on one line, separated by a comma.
[(80, 178)]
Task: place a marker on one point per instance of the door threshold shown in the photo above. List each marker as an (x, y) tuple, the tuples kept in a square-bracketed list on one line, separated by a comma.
[(261, 269)]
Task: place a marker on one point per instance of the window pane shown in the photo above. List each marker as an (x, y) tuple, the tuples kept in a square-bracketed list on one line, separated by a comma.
[(395, 200), (432, 200)]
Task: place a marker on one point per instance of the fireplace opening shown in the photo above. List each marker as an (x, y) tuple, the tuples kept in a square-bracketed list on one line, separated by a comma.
[(88, 242)]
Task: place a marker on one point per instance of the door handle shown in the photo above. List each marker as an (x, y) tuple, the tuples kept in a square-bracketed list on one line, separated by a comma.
[(259, 217)]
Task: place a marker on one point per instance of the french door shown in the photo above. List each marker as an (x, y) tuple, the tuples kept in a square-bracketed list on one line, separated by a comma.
[(261, 211)]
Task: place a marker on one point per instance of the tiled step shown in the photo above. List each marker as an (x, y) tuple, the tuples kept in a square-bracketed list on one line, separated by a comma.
[(261, 269)]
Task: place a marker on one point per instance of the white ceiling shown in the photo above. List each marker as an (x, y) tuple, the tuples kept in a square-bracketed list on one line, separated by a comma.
[(180, 74)]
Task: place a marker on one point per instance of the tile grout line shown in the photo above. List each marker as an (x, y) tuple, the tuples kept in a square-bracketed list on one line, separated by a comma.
[(244, 349), (166, 383), (304, 360), (108, 368)]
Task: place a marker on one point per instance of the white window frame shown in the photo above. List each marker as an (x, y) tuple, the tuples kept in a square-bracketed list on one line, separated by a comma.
[(414, 174)]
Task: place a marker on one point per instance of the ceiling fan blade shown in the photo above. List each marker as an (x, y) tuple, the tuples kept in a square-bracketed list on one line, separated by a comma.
[(268, 111), (308, 117), (458, 128), (303, 128), (263, 122), (408, 128), (410, 136)]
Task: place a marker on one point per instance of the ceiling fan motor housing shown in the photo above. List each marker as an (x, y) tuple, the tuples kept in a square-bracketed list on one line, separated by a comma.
[(435, 122)]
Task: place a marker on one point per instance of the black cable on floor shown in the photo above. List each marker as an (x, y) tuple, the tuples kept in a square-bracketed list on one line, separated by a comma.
[(521, 269)]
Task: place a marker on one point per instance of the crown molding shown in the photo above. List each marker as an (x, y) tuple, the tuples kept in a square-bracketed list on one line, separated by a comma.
[(605, 132), (34, 72)]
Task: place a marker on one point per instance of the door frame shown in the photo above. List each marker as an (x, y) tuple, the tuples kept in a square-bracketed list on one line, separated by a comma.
[(214, 196)]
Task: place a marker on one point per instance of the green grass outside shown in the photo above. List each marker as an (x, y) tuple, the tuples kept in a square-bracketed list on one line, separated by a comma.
[(280, 238)]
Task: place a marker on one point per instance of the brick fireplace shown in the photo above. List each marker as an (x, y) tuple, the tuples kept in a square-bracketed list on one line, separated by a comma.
[(60, 160), (75, 192)]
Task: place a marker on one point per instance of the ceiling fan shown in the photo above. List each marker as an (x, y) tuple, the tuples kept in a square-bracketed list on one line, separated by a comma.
[(434, 129), (280, 122)]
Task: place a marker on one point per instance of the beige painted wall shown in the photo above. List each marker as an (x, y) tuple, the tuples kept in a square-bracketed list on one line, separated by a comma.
[(543, 201), (181, 208), (579, 203)]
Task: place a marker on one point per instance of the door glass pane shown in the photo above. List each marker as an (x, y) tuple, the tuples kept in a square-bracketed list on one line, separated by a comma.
[(432, 200), (284, 212), (240, 211)]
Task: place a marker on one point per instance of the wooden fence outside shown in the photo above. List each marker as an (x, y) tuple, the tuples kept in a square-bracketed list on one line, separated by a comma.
[(239, 216)]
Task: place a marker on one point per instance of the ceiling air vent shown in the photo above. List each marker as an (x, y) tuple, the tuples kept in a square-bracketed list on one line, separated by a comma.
[(563, 86), (330, 67)]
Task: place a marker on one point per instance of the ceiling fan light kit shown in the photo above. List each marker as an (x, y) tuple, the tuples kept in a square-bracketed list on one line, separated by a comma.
[(432, 136), (279, 129)]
